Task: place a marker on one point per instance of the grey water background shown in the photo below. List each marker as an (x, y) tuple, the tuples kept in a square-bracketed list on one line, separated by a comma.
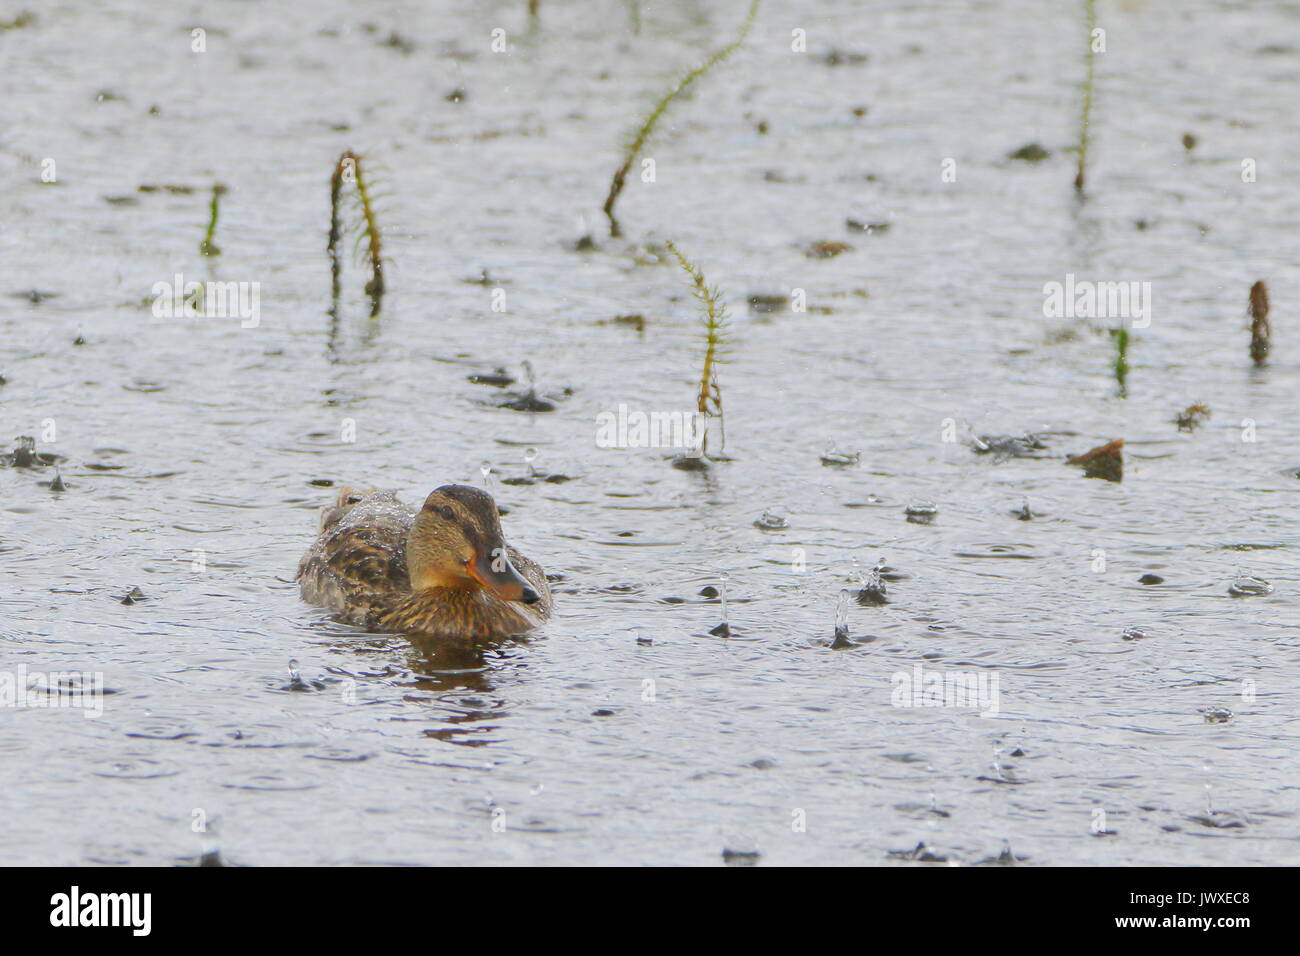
[(191, 444)]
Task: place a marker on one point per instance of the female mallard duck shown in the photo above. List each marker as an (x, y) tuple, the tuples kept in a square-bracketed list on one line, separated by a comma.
[(444, 572)]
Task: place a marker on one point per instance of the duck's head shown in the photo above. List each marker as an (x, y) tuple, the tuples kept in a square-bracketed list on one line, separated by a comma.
[(456, 542)]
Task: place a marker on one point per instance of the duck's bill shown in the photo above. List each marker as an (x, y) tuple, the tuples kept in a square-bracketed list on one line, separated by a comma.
[(500, 577)]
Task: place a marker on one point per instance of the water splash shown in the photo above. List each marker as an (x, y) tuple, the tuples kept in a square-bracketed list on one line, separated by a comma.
[(723, 629)]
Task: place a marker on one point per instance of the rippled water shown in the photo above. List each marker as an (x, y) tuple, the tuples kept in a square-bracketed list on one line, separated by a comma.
[(196, 452)]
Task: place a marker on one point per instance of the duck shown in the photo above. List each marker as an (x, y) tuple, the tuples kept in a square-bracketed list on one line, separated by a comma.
[(444, 571)]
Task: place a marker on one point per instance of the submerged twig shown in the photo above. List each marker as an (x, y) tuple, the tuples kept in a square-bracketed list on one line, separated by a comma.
[(1259, 328), (647, 127), (708, 398), (1085, 118), (348, 169)]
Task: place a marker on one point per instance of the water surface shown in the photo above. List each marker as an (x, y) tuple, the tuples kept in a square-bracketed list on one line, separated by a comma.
[(197, 452)]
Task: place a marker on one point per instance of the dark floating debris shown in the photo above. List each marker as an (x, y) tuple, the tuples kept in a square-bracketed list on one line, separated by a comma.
[(1023, 513), (634, 320), (827, 249), (23, 19), (1151, 579), (873, 590), (921, 512), (873, 594), (1216, 715), (1219, 820), (396, 41), (1005, 858), (498, 378), (920, 853), (870, 228), (530, 399), (35, 296), (1135, 634), (133, 596), (534, 476), (841, 639), (1189, 141), (602, 712), (175, 190), (1030, 153), (767, 304), (1008, 446), (835, 57), (708, 591), (298, 684), (24, 453), (1247, 586), (1192, 417), (1105, 461), (740, 857), (769, 521), (690, 462), (1259, 330), (722, 630), (834, 458), (56, 483)]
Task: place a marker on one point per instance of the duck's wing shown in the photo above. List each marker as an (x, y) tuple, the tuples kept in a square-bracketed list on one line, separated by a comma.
[(357, 567)]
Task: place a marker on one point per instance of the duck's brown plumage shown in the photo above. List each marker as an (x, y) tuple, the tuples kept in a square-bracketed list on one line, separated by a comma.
[(361, 566)]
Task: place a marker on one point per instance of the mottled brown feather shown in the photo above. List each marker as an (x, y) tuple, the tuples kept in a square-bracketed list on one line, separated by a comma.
[(357, 568)]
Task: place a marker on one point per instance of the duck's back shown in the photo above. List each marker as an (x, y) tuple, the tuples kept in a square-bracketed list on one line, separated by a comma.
[(357, 567)]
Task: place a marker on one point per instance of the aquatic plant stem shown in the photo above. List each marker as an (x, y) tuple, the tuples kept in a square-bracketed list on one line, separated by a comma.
[(647, 127), (1121, 359), (708, 398), (208, 246), (1260, 332), (1085, 117), (348, 168)]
